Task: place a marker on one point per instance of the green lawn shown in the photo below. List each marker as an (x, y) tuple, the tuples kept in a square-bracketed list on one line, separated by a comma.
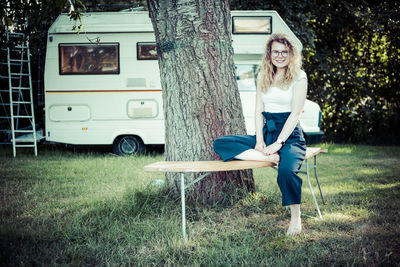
[(88, 207)]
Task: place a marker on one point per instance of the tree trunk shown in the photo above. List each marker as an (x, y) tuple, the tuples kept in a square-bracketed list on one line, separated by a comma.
[(201, 100)]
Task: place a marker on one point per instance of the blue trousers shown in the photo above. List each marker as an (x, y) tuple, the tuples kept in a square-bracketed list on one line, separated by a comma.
[(291, 154)]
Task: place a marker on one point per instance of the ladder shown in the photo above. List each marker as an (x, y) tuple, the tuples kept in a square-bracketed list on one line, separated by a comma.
[(17, 117)]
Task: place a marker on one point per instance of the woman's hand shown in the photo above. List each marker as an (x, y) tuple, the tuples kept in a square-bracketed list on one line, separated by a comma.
[(272, 148), (260, 146)]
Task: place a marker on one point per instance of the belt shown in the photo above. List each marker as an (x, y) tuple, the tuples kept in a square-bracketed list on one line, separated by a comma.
[(270, 130)]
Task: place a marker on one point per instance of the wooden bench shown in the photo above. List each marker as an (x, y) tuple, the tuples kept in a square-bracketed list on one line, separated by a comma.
[(213, 166)]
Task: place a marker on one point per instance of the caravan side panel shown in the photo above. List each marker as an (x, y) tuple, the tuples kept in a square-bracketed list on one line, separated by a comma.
[(96, 108)]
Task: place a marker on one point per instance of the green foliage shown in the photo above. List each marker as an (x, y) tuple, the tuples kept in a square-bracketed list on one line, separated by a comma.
[(76, 14), (351, 54), (361, 98)]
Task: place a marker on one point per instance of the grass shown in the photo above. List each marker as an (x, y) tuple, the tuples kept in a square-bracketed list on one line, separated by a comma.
[(88, 207)]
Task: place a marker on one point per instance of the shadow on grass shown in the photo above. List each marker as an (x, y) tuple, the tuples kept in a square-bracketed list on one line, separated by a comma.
[(373, 218), (384, 202), (151, 150), (92, 234), (73, 150)]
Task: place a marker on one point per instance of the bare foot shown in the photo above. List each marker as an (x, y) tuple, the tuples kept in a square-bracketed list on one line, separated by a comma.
[(273, 158), (294, 226)]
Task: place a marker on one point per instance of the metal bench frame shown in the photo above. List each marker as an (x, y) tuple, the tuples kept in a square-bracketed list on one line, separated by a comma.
[(201, 177)]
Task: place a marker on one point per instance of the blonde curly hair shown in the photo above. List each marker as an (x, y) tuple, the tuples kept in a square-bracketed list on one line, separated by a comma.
[(267, 70)]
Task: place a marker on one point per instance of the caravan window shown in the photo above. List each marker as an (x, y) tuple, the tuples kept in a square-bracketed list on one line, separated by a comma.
[(89, 59), (246, 77), (146, 51), (253, 25)]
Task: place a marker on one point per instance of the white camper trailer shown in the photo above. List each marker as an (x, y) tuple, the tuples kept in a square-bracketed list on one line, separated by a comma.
[(102, 86)]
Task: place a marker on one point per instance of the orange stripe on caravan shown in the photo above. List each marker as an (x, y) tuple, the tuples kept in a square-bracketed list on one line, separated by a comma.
[(104, 91)]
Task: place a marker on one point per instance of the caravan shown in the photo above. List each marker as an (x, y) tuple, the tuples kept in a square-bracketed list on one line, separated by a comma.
[(102, 86)]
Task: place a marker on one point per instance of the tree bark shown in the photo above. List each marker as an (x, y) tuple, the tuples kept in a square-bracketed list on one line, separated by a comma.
[(201, 100)]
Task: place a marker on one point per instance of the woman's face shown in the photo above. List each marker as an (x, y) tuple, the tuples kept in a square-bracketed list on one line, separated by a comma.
[(279, 55)]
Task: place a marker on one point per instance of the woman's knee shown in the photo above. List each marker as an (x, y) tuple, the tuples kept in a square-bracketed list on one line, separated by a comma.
[(285, 173), (218, 142), (288, 166)]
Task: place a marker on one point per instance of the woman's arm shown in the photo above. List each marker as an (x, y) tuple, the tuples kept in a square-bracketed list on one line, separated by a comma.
[(259, 121), (299, 97)]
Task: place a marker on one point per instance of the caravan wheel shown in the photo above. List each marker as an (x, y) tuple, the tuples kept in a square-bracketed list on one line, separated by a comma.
[(128, 145)]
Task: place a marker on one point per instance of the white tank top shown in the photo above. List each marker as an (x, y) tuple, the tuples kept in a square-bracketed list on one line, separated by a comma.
[(280, 100)]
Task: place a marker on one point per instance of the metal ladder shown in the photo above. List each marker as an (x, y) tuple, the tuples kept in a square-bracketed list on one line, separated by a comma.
[(17, 112)]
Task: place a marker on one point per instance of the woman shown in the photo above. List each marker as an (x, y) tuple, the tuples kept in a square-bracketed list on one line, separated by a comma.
[(280, 97)]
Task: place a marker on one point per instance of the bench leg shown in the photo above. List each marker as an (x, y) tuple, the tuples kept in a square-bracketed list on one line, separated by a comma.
[(312, 191), (316, 178), (183, 205), (183, 188)]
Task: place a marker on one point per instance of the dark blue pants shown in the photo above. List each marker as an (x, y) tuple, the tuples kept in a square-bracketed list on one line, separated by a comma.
[(291, 154)]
